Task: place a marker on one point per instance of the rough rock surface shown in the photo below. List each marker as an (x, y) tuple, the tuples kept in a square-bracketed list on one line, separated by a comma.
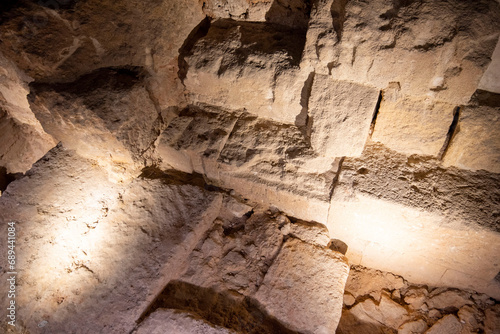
[(175, 322), (217, 159), (384, 304), (23, 140), (292, 298), (107, 116), (475, 145)]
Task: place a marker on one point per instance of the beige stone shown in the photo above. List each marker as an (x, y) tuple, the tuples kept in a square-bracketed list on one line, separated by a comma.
[(311, 304), (236, 255), (413, 327), (387, 312), (492, 320), (253, 156), (97, 116), (476, 145), (175, 322), (313, 233), (412, 126), (369, 282), (490, 81), (422, 49), (416, 297), (449, 324), (340, 114), (23, 140), (232, 67), (447, 299), (112, 246)]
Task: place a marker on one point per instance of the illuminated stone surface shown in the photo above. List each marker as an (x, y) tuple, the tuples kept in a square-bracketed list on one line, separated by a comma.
[(209, 148)]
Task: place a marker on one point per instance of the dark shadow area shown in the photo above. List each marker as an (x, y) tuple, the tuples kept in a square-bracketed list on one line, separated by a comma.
[(8, 5), (451, 132), (292, 13), (485, 98), (230, 310), (254, 38), (175, 177), (109, 78), (196, 34), (305, 94), (338, 17), (7, 178), (349, 324)]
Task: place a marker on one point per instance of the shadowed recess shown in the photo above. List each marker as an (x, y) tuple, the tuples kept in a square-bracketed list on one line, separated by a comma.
[(230, 310)]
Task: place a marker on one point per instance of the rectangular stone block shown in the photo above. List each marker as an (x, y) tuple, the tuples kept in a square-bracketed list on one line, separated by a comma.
[(340, 114), (412, 126), (476, 144), (304, 288)]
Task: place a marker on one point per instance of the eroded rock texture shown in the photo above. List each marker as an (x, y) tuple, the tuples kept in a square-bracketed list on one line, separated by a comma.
[(216, 166)]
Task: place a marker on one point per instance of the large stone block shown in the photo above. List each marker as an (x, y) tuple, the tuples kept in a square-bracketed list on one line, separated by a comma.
[(412, 126), (309, 303), (263, 160), (434, 48), (491, 78), (476, 144), (340, 114), (22, 138), (247, 65)]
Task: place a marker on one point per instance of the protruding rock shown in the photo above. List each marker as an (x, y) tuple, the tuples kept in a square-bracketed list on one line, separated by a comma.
[(451, 298), (311, 304), (412, 126), (387, 312), (449, 324), (340, 114), (413, 327), (476, 144)]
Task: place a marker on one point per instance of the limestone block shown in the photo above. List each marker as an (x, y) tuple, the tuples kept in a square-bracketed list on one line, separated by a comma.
[(23, 140), (392, 237), (175, 322), (194, 137), (340, 114), (307, 303), (415, 297), (235, 255), (108, 247), (490, 80), (263, 160), (476, 145), (443, 300), (449, 324), (247, 65), (293, 13), (387, 312), (412, 126), (369, 282), (97, 115), (414, 45), (413, 327), (313, 233)]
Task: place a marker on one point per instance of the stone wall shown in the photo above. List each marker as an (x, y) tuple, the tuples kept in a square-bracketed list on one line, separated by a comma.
[(204, 153)]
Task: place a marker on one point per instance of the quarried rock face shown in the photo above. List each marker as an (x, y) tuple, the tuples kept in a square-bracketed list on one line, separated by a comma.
[(219, 161), (23, 140), (385, 303)]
